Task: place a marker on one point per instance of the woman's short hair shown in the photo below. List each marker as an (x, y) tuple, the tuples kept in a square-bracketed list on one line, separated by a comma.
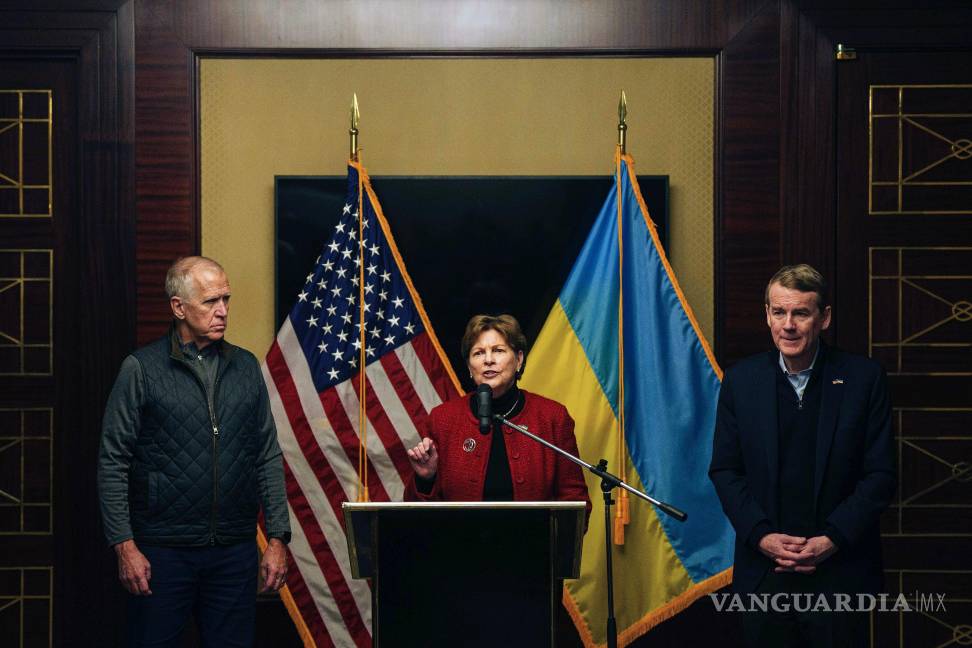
[(804, 278), (505, 325)]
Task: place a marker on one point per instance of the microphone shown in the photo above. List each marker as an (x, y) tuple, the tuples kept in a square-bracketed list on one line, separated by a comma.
[(484, 407)]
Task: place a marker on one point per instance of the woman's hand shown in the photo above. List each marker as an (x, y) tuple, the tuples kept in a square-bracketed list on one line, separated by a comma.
[(424, 459)]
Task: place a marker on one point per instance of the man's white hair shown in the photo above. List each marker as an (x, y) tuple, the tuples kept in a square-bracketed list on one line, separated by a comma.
[(178, 280)]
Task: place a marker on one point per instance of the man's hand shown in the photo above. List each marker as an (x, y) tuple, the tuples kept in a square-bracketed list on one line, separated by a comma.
[(273, 567), (134, 569), (784, 550), (814, 551)]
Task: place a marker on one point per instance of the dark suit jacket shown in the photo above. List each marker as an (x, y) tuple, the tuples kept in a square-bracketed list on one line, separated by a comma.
[(855, 474)]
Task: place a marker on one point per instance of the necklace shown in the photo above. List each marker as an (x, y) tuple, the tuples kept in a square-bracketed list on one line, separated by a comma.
[(515, 403)]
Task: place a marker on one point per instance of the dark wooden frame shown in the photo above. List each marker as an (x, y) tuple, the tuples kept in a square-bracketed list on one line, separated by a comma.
[(137, 63), (808, 207), (94, 294), (172, 36), (775, 106), (775, 123)]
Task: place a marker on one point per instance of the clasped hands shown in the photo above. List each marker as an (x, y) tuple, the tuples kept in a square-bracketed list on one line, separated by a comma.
[(796, 554)]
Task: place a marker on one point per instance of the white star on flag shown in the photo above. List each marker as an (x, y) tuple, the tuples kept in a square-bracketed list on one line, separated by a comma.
[(312, 373)]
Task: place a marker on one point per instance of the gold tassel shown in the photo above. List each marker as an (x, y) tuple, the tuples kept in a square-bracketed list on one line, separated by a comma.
[(618, 528)]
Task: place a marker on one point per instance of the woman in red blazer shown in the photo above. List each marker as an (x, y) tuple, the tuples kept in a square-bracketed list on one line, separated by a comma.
[(455, 462)]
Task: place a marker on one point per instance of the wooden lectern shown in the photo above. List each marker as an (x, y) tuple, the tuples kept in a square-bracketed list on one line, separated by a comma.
[(465, 573)]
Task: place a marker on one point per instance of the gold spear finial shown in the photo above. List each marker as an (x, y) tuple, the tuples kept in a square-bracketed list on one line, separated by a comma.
[(622, 126), (355, 116)]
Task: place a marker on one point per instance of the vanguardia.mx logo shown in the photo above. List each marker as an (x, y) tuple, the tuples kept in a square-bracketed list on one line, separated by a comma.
[(932, 602)]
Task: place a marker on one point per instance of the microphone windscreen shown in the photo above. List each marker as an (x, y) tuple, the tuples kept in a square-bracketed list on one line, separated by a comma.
[(484, 407)]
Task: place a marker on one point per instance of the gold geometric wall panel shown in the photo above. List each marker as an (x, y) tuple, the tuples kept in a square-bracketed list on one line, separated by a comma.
[(934, 496), (920, 310), (941, 609), (26, 471), (26, 607), (920, 149), (26, 136), (26, 312)]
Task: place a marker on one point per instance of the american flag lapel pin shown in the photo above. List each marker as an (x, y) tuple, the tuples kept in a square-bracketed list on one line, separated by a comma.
[(838, 381)]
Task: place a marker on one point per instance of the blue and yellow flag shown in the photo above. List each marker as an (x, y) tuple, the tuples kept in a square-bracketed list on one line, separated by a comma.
[(654, 426)]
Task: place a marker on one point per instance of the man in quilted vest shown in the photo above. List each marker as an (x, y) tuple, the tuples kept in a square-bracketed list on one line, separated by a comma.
[(188, 457)]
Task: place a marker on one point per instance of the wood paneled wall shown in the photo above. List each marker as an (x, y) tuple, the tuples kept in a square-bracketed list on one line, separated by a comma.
[(85, 56), (137, 67), (775, 171), (170, 36)]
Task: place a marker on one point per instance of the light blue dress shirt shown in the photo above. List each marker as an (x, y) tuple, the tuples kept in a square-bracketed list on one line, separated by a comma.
[(799, 379)]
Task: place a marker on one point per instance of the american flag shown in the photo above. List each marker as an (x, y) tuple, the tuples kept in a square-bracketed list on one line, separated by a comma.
[(312, 375)]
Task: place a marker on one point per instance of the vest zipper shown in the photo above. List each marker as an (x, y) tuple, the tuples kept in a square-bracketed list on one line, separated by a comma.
[(212, 417), (211, 405)]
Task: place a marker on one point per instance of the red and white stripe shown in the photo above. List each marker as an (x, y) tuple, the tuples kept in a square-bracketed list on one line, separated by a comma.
[(318, 433)]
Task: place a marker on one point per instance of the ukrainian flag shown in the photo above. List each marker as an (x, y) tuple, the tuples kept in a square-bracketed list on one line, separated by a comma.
[(654, 427)]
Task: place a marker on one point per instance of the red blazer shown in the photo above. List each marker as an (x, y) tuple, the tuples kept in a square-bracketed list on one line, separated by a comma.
[(539, 474)]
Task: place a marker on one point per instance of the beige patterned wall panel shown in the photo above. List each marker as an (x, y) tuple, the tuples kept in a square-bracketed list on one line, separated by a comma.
[(26, 137), (920, 309), (261, 118)]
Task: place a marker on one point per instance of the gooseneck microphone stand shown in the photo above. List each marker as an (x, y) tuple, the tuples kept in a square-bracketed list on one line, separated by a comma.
[(608, 483)]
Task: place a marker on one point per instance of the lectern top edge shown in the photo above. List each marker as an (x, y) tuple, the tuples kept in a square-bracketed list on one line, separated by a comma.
[(565, 522)]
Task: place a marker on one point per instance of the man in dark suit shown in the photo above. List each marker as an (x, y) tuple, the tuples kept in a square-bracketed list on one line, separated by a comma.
[(803, 462)]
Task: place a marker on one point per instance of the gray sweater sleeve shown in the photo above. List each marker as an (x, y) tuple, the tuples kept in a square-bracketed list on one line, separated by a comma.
[(270, 474), (119, 429)]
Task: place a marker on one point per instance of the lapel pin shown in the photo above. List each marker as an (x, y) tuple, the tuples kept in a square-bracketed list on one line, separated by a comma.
[(838, 381), (469, 445)]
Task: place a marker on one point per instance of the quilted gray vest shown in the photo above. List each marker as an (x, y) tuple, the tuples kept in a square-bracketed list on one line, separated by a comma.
[(193, 478)]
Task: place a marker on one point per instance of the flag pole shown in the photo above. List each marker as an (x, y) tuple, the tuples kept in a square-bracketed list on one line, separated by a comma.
[(610, 623), (363, 495), (353, 131), (622, 126), (623, 515)]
